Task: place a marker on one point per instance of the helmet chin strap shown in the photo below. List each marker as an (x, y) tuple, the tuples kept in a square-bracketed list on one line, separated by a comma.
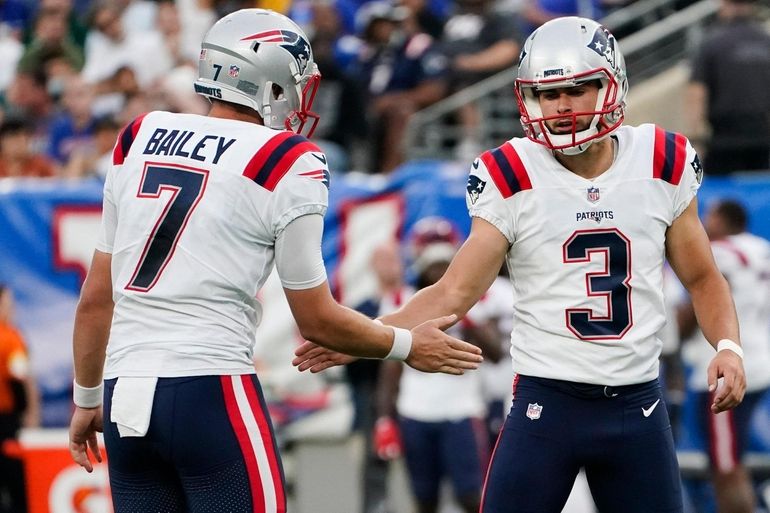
[(576, 150)]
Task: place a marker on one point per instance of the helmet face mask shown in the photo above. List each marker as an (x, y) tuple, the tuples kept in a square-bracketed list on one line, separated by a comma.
[(563, 53), (262, 60)]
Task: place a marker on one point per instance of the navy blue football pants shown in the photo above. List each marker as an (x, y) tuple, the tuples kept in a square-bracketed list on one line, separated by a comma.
[(209, 449), (620, 435)]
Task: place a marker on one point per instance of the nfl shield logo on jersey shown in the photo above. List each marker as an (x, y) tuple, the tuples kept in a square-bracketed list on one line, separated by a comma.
[(234, 71), (534, 410), (593, 194)]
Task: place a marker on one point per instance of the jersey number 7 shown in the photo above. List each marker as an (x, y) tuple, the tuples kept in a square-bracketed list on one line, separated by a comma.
[(186, 185)]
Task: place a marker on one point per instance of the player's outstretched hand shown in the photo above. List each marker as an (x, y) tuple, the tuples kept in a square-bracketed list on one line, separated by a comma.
[(435, 351), (312, 357), (83, 427), (726, 370)]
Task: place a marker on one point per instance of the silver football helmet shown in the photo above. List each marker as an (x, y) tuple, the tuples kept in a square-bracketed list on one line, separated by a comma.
[(263, 60), (566, 52)]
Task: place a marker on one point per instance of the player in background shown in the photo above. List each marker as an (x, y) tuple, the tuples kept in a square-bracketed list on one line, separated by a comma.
[(744, 260), (196, 211), (584, 210), (496, 305), (436, 420)]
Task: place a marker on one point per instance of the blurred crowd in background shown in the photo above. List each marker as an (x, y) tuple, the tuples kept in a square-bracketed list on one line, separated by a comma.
[(74, 71)]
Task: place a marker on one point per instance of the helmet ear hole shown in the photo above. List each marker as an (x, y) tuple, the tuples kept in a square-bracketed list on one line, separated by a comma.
[(277, 91)]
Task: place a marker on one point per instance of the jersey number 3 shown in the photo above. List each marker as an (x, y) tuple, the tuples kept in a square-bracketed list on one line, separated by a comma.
[(612, 283), (186, 186)]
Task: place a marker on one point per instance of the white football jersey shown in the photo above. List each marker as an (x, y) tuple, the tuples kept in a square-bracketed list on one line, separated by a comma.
[(436, 397), (586, 256), (744, 260), (192, 209)]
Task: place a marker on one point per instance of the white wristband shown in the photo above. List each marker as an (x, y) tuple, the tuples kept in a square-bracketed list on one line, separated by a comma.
[(85, 397), (728, 344), (402, 344)]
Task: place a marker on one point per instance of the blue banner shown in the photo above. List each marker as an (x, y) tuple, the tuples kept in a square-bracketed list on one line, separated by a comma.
[(48, 230)]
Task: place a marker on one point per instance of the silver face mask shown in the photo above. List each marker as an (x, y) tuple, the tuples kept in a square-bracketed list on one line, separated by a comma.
[(263, 60), (566, 52)]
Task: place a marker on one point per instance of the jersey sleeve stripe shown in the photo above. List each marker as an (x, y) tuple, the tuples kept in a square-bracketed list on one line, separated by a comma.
[(287, 159), (125, 140), (518, 167), (507, 170), (274, 159), (669, 156)]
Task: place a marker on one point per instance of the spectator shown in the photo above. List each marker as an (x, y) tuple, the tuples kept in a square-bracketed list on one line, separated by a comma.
[(18, 406), (96, 158), (109, 47), (74, 126), (744, 259), (51, 39), (113, 93), (423, 19), (16, 14), (196, 17), (722, 99), (11, 49), (478, 42), (536, 12), (28, 97), (401, 74), (339, 103), (17, 159)]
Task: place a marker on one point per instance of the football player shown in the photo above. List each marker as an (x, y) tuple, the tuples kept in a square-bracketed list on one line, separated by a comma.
[(744, 260), (584, 210)]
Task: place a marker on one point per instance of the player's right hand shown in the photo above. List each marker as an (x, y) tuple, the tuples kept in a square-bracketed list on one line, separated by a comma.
[(435, 351), (387, 439), (83, 427)]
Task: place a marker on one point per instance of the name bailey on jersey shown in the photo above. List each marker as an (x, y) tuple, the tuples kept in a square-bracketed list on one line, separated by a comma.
[(186, 143)]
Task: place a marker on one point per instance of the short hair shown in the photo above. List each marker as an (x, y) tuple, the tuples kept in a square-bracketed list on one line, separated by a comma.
[(734, 214), (15, 125)]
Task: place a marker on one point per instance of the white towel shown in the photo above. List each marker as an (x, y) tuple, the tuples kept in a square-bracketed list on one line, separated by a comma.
[(132, 405)]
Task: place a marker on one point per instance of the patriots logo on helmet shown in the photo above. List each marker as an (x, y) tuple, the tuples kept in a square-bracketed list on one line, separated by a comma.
[(603, 43), (475, 188), (291, 41)]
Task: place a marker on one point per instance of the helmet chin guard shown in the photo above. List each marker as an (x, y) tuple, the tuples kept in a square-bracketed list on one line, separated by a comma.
[(567, 52), (262, 60)]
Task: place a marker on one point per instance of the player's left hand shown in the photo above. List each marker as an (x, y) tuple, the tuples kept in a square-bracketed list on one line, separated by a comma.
[(316, 358), (726, 370), (83, 427)]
